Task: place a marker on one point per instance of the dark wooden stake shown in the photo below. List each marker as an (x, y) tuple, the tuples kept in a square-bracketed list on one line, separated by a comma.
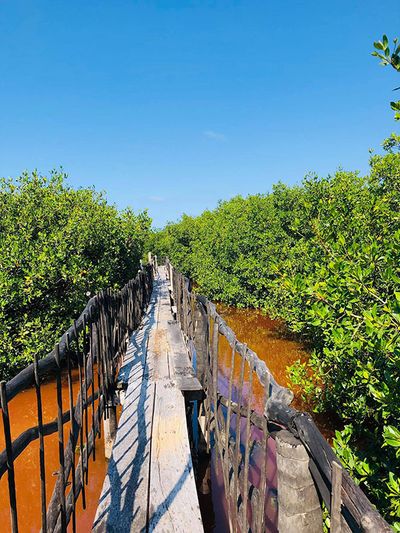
[(41, 446), (60, 440), (10, 460), (237, 456), (71, 411), (247, 452), (91, 348), (80, 362), (85, 391)]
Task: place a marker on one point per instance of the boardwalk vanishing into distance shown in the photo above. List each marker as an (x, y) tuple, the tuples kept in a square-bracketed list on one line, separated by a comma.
[(150, 483), (154, 347)]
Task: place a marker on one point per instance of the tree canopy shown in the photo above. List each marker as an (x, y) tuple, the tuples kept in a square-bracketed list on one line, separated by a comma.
[(58, 246), (325, 257)]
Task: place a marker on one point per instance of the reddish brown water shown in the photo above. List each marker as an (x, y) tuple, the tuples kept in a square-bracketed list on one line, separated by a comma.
[(259, 332), (23, 414), (266, 337)]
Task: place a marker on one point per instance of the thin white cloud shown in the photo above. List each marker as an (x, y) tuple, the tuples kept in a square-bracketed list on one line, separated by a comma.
[(220, 137), (156, 198)]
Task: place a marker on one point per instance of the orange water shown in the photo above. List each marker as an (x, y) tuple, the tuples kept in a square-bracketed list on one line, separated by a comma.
[(259, 332), (272, 344), (23, 414), (265, 337)]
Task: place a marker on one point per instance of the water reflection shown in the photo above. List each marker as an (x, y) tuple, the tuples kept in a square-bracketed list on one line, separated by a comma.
[(264, 336)]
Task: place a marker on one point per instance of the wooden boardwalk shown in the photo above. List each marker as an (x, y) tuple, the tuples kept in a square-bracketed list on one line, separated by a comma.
[(150, 483)]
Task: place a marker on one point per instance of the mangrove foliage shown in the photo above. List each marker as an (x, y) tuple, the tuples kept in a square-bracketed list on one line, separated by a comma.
[(324, 256), (58, 247)]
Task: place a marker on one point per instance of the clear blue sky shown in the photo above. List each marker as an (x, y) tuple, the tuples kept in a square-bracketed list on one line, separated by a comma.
[(172, 105)]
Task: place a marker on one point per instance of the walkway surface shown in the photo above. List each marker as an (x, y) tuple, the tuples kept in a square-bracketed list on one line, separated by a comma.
[(150, 483)]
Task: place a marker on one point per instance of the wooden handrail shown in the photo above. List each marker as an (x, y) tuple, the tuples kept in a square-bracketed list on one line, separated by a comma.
[(98, 337), (357, 512)]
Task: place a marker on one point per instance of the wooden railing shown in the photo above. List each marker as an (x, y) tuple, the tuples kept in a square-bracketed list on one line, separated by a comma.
[(241, 435), (94, 345)]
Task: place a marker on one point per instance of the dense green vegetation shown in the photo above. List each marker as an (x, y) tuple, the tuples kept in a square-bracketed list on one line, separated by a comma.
[(325, 257), (58, 246)]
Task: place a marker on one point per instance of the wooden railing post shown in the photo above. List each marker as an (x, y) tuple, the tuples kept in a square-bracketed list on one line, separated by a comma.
[(299, 506), (110, 428), (10, 458), (200, 322), (172, 281)]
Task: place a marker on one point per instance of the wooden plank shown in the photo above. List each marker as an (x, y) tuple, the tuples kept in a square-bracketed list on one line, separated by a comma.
[(150, 483), (123, 501), (174, 503), (158, 350), (182, 370)]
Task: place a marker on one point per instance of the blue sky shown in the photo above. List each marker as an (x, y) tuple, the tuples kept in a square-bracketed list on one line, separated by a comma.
[(175, 105)]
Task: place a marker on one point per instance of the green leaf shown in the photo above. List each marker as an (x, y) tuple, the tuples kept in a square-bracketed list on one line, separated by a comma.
[(391, 436)]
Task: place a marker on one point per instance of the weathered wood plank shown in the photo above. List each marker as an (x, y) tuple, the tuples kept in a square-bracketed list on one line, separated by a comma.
[(158, 349), (182, 370), (174, 503), (150, 484), (124, 498), (123, 501)]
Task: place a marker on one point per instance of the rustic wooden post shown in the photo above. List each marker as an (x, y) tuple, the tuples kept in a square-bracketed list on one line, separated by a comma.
[(110, 428), (299, 507), (10, 458), (336, 498), (152, 260), (171, 281), (200, 323)]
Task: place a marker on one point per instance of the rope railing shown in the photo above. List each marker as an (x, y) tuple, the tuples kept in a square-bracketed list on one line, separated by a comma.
[(241, 435), (92, 348)]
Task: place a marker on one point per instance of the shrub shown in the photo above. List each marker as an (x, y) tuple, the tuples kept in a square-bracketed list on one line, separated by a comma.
[(58, 246), (325, 257)]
